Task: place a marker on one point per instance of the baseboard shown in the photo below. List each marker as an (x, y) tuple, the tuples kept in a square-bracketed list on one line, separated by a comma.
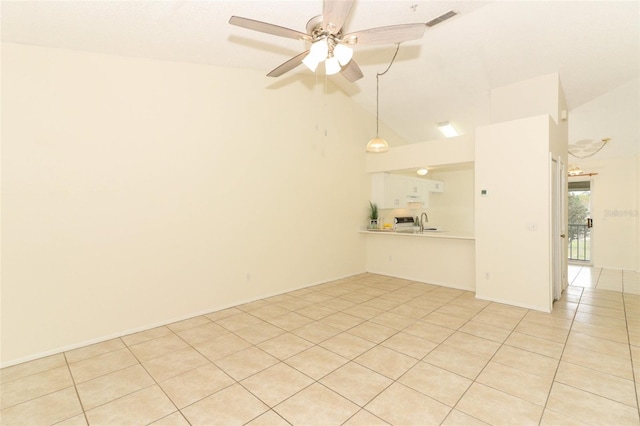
[(438, 283), (512, 303)]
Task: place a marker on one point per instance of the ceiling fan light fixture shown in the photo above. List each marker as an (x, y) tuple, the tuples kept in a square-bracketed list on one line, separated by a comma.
[(310, 63), (343, 53), (377, 145), (317, 53), (574, 170), (332, 65), (326, 33), (319, 50), (448, 130)]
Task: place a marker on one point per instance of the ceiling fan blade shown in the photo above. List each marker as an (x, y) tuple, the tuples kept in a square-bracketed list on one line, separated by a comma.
[(386, 35), (352, 71), (289, 65), (334, 14), (264, 27)]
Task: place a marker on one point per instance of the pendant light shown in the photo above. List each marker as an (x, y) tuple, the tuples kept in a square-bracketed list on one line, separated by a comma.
[(377, 144)]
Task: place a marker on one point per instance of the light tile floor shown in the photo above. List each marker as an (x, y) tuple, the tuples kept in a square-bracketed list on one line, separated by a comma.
[(604, 279), (366, 350)]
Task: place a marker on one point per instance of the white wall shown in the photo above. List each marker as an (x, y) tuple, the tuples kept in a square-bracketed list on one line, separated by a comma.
[(424, 154), (535, 96), (617, 186), (614, 209), (136, 192), (512, 223), (513, 220), (448, 262), (453, 209)]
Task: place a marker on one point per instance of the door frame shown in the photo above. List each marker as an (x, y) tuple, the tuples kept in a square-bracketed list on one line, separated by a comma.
[(558, 229), (592, 232)]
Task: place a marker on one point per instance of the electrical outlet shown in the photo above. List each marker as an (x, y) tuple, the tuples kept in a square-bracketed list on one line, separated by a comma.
[(390, 259), (487, 276)]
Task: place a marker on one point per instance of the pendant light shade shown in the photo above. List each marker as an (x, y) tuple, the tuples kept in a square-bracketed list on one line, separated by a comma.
[(318, 53), (377, 144), (332, 65), (343, 54)]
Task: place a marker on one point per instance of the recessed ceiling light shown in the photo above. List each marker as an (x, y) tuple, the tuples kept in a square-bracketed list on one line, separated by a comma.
[(448, 130)]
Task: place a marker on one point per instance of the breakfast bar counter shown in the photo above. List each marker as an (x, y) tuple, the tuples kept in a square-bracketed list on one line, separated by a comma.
[(444, 258)]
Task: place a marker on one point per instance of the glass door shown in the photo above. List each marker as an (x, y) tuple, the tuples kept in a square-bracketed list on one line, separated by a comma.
[(580, 222)]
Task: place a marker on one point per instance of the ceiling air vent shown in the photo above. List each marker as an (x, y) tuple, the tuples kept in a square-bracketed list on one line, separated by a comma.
[(441, 18)]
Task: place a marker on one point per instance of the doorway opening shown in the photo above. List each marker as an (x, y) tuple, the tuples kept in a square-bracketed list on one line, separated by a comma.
[(580, 222)]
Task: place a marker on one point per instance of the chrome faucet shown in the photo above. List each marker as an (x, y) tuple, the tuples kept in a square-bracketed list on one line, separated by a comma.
[(422, 221)]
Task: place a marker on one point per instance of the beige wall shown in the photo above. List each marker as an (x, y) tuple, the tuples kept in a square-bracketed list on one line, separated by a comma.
[(513, 165), (453, 209), (616, 238), (448, 262), (614, 209), (528, 98), (512, 226), (136, 192), (424, 154)]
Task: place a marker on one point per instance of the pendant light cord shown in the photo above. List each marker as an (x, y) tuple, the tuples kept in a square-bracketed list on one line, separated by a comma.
[(378, 88)]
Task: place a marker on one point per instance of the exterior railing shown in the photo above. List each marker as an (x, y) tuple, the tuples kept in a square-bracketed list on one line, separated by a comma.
[(579, 242)]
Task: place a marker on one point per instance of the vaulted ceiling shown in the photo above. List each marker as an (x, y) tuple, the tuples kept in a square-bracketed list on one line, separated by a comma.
[(446, 75)]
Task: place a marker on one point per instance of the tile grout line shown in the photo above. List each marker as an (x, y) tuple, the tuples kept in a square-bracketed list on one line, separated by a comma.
[(453, 408), (564, 346), (156, 383), (633, 369), (318, 381), (315, 381), (75, 388), (596, 370), (379, 344), (486, 364)]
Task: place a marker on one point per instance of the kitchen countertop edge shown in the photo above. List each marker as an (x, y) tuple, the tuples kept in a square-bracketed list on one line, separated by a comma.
[(427, 234)]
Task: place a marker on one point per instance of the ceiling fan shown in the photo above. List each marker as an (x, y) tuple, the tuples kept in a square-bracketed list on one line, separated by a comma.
[(328, 42)]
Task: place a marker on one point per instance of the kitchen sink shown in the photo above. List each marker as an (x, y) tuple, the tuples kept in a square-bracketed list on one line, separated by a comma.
[(416, 230)]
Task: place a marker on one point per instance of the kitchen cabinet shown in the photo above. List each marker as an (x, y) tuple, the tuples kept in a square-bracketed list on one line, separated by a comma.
[(415, 191), (391, 191), (434, 185), (386, 190)]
